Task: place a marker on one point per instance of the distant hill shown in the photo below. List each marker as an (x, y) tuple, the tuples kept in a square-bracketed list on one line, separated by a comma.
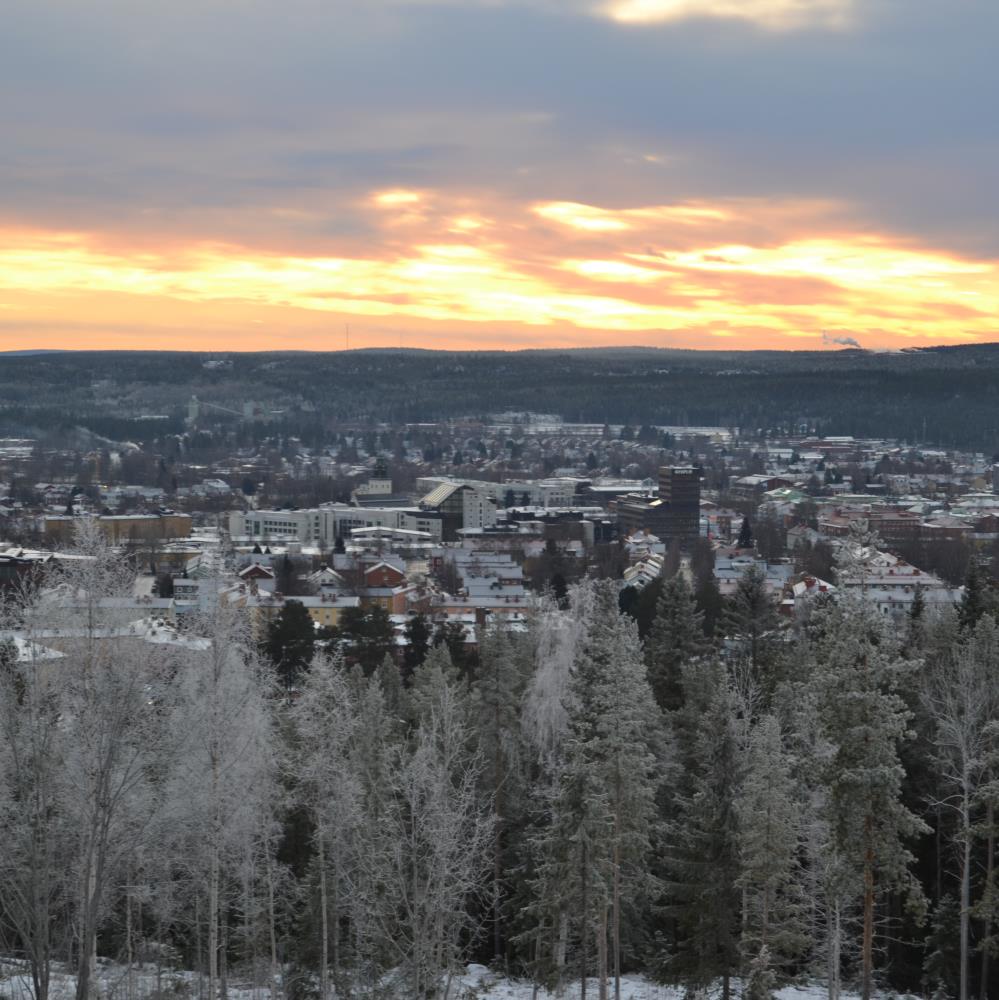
[(943, 395), (29, 353)]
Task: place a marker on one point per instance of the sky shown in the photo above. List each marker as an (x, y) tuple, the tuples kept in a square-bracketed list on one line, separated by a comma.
[(479, 174)]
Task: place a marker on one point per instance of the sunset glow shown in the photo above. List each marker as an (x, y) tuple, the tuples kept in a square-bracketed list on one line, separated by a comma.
[(774, 14), (641, 271), (497, 174)]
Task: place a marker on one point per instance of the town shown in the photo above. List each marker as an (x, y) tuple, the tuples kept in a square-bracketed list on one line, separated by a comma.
[(459, 522), (340, 654)]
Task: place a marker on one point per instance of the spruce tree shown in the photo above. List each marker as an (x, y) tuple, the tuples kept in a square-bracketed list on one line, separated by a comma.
[(594, 856), (676, 637), (496, 698), (961, 698), (864, 719), (703, 841), (770, 841), (751, 622)]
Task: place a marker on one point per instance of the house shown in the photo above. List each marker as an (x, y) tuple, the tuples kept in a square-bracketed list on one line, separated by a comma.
[(258, 578)]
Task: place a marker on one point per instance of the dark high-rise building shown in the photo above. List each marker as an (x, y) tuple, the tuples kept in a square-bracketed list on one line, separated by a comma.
[(680, 490), (675, 515)]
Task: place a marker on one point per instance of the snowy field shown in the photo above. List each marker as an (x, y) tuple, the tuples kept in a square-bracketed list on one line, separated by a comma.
[(479, 983)]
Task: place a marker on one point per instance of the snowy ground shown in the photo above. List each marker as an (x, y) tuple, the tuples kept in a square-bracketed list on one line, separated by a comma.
[(482, 984), (479, 983)]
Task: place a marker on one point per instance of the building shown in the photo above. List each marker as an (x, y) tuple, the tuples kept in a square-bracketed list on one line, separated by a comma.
[(119, 528), (680, 488), (674, 515), (324, 525), (459, 506)]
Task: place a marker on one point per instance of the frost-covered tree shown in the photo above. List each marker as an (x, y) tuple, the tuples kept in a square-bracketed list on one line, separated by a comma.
[(36, 840), (495, 705), (114, 699), (596, 851), (441, 834), (863, 718), (676, 637), (750, 622), (223, 779), (703, 861), (325, 721), (768, 806), (961, 698)]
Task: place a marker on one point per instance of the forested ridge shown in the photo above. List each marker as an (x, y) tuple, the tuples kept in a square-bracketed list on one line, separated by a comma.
[(944, 396), (768, 804)]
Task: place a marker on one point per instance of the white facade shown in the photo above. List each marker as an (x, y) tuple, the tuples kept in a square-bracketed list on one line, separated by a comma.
[(323, 525)]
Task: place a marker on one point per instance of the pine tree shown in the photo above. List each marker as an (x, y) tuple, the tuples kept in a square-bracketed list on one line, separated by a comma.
[(496, 698), (290, 642), (595, 853), (676, 637), (864, 719), (977, 599), (703, 859), (962, 699), (770, 841), (418, 636), (751, 621)]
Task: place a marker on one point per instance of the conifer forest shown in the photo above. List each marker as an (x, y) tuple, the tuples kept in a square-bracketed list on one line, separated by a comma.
[(728, 809)]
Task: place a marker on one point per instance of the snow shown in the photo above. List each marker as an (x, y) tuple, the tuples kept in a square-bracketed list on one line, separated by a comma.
[(478, 983), (481, 983), (31, 651)]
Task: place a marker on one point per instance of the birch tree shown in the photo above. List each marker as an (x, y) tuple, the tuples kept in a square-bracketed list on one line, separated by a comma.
[(962, 698), (326, 726), (36, 840), (440, 835), (223, 780)]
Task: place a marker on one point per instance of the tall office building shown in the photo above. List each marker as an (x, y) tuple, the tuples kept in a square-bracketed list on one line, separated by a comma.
[(680, 490), (674, 515)]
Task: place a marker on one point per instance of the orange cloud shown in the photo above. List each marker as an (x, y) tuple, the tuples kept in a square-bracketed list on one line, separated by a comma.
[(476, 271), (778, 15)]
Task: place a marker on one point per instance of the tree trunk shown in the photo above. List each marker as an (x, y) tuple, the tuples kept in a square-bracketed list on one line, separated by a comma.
[(561, 947), (87, 966), (271, 928), (616, 913), (835, 944), (867, 944), (983, 987), (602, 953), (965, 895), (584, 936), (199, 958), (213, 924), (130, 974), (223, 952), (324, 962), (497, 841)]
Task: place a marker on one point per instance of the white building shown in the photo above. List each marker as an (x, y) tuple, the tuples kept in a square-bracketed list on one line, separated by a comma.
[(323, 525)]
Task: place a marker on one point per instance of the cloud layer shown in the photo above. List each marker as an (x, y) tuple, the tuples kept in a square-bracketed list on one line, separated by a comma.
[(689, 172)]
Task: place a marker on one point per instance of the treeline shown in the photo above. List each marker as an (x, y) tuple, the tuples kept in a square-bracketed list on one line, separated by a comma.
[(779, 804), (944, 396)]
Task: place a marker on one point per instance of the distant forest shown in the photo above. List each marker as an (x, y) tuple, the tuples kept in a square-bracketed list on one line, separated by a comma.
[(946, 396)]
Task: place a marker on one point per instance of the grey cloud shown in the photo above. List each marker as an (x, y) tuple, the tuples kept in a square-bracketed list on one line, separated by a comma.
[(117, 104)]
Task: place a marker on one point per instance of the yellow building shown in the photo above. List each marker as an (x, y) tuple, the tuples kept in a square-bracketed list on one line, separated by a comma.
[(122, 528)]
